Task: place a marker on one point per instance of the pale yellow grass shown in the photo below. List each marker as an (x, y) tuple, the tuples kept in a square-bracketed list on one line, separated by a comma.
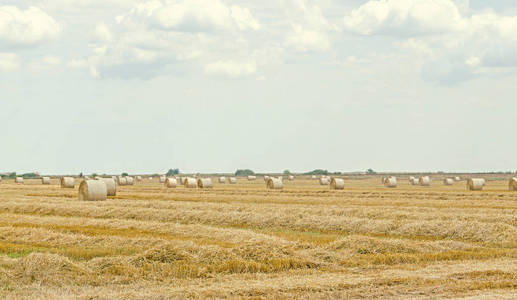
[(242, 241)]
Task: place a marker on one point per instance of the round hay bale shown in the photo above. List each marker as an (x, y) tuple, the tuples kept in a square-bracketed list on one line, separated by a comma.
[(93, 190), (266, 178), (171, 182), (130, 180), (121, 180), (391, 182), (411, 179), (448, 181), (190, 183), (162, 179), (324, 180), (383, 180), (67, 182), (424, 181), (337, 184), (138, 178), (251, 177), (313, 177), (150, 178), (513, 184), (475, 184), (291, 177), (18, 180), (45, 180), (86, 178), (222, 179), (274, 184), (111, 186), (204, 183), (457, 178), (232, 180), (415, 181)]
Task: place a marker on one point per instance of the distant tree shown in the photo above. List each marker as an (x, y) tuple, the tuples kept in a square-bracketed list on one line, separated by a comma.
[(287, 172), (371, 171), (81, 174), (125, 174), (245, 172), (173, 172), (12, 175), (30, 175), (94, 175), (318, 172)]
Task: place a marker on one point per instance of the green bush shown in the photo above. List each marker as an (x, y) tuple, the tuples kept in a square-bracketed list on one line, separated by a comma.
[(245, 172)]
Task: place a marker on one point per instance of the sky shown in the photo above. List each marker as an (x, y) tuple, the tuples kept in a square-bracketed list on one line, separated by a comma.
[(219, 85)]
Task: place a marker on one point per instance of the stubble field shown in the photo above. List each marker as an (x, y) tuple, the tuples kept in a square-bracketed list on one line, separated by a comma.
[(243, 241)]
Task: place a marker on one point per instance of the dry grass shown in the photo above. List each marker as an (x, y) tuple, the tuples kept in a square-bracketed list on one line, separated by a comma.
[(242, 241)]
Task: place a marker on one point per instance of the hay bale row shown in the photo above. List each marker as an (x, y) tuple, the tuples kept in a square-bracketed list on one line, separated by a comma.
[(448, 181), (274, 184), (190, 183), (171, 182), (45, 180), (324, 180), (424, 181), (475, 184), (337, 184), (121, 181), (67, 182), (93, 190), (513, 184), (390, 182), (204, 183), (111, 185)]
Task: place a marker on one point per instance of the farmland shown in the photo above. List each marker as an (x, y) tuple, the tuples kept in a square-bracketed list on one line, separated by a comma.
[(243, 241)]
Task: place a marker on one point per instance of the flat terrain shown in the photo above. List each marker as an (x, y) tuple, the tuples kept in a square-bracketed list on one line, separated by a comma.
[(242, 241)]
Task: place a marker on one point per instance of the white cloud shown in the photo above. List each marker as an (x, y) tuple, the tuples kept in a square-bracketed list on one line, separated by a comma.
[(155, 34), (309, 28), (243, 18), (9, 62), (102, 33), (26, 27), (231, 68), (307, 40), (452, 47), (192, 16), (404, 17)]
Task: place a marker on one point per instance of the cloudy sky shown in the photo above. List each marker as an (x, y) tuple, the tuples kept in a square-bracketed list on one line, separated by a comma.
[(216, 85)]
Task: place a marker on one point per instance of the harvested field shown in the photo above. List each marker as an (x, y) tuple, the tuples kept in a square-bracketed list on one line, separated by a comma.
[(244, 241)]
